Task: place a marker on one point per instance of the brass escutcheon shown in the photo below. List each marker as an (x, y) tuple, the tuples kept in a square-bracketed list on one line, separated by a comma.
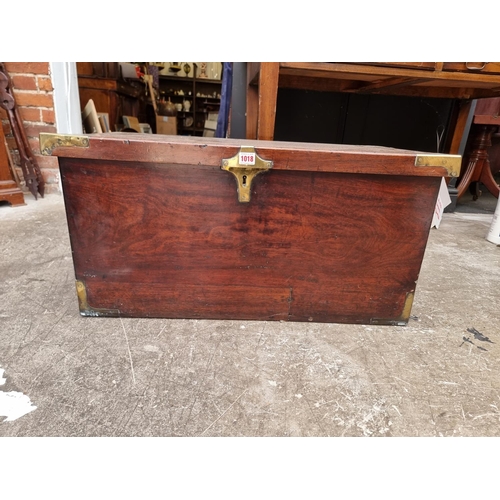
[(245, 165)]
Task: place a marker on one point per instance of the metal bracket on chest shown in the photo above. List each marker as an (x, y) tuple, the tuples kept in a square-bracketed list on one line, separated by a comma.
[(245, 165), (85, 309), (403, 318), (48, 142)]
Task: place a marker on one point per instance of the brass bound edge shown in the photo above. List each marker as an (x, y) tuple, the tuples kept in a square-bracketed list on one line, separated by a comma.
[(86, 310), (452, 163), (403, 318), (48, 142)]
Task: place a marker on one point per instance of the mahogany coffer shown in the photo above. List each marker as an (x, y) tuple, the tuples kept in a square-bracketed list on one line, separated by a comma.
[(195, 227)]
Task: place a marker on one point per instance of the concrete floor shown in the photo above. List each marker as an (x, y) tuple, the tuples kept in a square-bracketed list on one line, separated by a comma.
[(438, 376)]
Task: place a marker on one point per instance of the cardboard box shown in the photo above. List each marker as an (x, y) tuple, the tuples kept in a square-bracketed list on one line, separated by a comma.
[(131, 122), (166, 125)]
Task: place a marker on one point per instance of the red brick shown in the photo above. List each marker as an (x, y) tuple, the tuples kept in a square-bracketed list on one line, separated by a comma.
[(34, 144), (30, 114), (45, 83), (24, 82), (34, 130), (48, 116), (47, 164), (11, 143), (40, 68), (42, 100), (6, 129)]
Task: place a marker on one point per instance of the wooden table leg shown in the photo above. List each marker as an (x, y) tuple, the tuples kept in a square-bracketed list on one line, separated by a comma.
[(268, 95), (460, 126), (252, 113), (478, 165), (261, 100)]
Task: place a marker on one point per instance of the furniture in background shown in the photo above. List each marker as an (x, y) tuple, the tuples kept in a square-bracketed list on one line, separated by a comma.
[(461, 81), (476, 165), (29, 166), (111, 93), (195, 99), (9, 186)]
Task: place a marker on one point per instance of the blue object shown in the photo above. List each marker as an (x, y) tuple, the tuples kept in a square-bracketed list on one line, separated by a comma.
[(225, 100)]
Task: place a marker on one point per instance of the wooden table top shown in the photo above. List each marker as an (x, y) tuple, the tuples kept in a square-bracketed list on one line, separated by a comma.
[(447, 80)]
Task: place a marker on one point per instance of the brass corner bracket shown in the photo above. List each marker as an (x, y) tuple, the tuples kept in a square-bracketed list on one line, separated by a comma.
[(245, 165), (48, 142), (451, 163), (86, 310), (403, 318)]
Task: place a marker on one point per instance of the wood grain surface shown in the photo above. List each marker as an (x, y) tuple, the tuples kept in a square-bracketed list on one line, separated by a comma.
[(172, 240), (208, 151)]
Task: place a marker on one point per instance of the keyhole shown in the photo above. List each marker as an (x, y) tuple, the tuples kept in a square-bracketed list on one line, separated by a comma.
[(244, 179)]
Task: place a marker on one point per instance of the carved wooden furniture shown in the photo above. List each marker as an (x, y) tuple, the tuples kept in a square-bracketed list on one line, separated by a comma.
[(9, 189), (476, 161), (110, 93), (187, 227), (29, 166), (463, 81)]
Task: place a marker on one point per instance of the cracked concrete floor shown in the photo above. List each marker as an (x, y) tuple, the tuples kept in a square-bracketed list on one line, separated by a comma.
[(438, 376)]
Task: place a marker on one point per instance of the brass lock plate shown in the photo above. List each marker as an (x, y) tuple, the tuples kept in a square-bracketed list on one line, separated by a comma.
[(245, 165)]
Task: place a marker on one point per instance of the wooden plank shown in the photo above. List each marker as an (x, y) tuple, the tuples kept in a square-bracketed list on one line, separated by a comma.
[(96, 83), (318, 84), (488, 107), (85, 68), (390, 83), (420, 89), (268, 95), (209, 152), (329, 70), (438, 91), (428, 66), (253, 69), (487, 120)]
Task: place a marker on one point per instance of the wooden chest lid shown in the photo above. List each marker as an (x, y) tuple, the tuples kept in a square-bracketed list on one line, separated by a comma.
[(209, 151)]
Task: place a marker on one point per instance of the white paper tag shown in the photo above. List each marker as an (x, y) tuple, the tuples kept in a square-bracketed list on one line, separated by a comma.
[(494, 232), (442, 202), (246, 158)]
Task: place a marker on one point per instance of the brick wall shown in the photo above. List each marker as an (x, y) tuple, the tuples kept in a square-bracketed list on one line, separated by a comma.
[(33, 91)]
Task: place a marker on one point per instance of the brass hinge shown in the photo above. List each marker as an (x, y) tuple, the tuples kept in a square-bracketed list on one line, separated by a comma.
[(48, 142), (451, 163)]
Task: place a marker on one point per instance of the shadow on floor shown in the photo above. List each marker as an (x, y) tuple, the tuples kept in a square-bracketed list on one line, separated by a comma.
[(485, 204)]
